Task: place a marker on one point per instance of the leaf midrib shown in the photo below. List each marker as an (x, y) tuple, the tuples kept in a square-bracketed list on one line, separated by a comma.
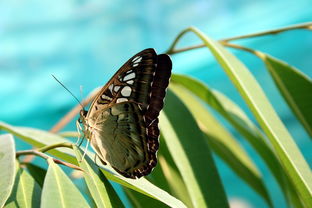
[(59, 186), (94, 181)]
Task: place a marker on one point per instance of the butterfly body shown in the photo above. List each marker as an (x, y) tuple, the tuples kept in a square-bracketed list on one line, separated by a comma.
[(122, 122)]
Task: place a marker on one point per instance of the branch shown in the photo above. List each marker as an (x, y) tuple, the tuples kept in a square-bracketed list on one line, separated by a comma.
[(171, 50), (46, 157), (53, 146)]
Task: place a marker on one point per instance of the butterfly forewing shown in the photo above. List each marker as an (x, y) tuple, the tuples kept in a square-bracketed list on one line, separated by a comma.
[(122, 122), (132, 82)]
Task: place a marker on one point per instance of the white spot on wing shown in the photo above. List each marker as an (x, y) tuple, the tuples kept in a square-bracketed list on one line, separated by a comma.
[(129, 76), (130, 82), (111, 87), (119, 100), (105, 97), (116, 88), (136, 61), (126, 91)]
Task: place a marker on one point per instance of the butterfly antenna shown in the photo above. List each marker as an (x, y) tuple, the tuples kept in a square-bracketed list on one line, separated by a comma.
[(67, 90)]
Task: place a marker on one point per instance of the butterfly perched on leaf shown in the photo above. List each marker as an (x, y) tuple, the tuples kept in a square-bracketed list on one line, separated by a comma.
[(122, 121)]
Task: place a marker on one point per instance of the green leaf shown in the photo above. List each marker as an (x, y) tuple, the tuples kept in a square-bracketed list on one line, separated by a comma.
[(101, 190), (222, 143), (26, 192), (295, 87), (139, 200), (7, 164), (145, 187), (37, 172), (39, 138), (282, 142), (166, 175), (157, 176), (235, 116), (140, 185), (59, 191), (191, 155), (175, 180)]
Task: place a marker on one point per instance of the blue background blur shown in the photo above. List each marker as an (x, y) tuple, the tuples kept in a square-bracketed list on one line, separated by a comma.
[(85, 42)]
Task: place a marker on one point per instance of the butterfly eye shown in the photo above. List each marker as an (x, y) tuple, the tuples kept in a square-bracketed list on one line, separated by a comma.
[(83, 113)]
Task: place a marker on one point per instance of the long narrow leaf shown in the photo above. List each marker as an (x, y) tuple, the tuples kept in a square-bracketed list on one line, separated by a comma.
[(7, 165), (139, 200), (235, 116), (191, 155), (295, 87), (166, 175), (38, 139), (147, 188), (59, 191), (101, 190), (175, 181), (223, 143), (282, 142), (36, 172), (26, 192)]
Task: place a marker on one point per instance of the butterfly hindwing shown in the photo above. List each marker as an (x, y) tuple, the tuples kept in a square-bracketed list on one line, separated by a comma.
[(122, 122), (120, 138)]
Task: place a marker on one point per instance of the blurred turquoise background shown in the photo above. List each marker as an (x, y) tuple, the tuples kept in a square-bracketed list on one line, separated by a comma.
[(85, 42)]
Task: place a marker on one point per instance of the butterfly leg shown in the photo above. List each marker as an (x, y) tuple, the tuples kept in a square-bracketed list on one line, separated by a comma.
[(95, 155), (79, 129), (85, 151)]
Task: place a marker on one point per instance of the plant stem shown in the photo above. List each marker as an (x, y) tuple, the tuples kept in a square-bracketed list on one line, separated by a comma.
[(171, 50), (231, 45), (53, 146), (307, 25), (32, 152), (46, 157)]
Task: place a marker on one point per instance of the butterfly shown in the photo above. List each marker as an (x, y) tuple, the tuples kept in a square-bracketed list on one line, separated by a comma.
[(122, 122)]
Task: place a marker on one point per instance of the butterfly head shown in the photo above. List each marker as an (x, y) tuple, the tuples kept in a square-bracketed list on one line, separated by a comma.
[(83, 115)]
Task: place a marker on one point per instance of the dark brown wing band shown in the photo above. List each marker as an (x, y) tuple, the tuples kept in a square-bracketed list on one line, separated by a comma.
[(156, 103), (159, 86), (158, 92)]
